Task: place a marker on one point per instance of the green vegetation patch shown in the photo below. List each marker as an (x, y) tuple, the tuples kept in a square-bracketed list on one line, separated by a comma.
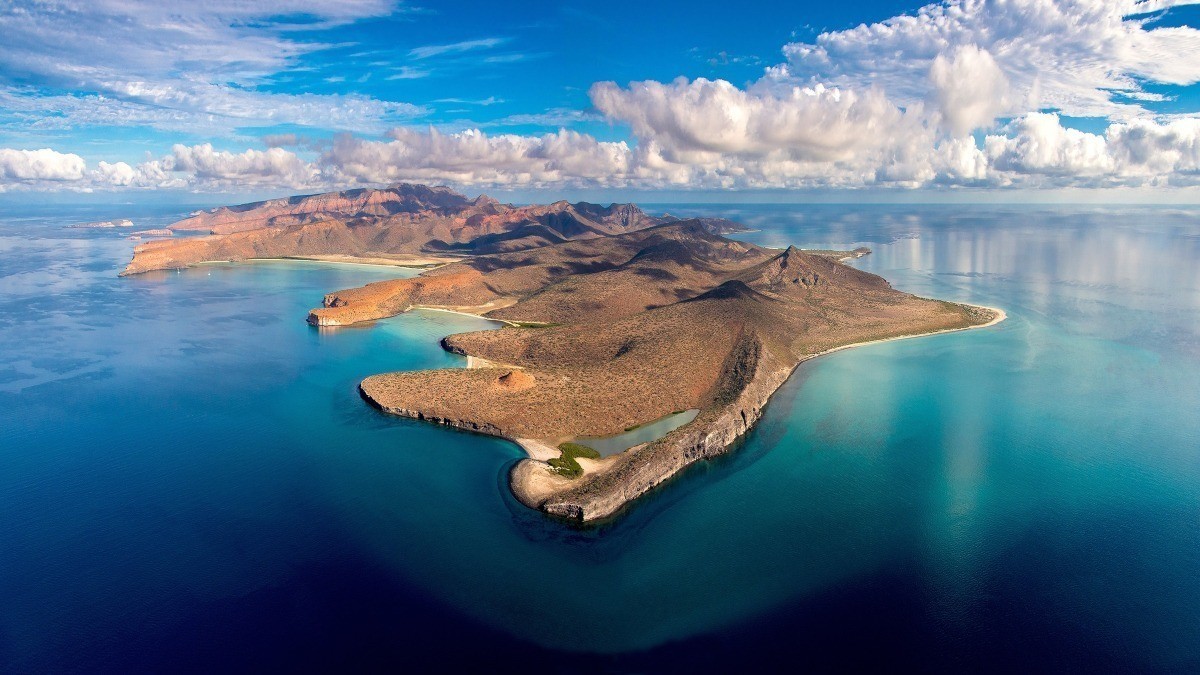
[(566, 465)]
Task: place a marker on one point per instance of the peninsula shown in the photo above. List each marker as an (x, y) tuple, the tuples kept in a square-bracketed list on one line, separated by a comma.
[(613, 319)]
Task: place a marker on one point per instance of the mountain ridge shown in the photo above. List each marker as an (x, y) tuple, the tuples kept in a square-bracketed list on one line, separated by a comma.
[(404, 221)]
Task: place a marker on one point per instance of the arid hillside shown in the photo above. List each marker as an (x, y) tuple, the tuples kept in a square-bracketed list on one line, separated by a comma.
[(610, 333), (403, 223)]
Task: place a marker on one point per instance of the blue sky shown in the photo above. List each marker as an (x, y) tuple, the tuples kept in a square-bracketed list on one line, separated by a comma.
[(964, 96)]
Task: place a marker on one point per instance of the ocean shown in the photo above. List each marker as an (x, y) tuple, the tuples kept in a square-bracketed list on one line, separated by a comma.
[(189, 481)]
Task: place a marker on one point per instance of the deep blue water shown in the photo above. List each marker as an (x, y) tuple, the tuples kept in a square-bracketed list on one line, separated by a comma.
[(189, 481)]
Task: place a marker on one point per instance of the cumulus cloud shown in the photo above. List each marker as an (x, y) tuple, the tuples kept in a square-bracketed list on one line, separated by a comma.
[(37, 166), (1038, 144), (1032, 151), (969, 89), (271, 167), (1081, 57), (118, 174), (896, 103), (195, 167), (1037, 149), (694, 121), (473, 157), (1150, 149), (960, 161)]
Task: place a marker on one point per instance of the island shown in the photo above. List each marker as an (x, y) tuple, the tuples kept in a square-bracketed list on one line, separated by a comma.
[(611, 319), (405, 224)]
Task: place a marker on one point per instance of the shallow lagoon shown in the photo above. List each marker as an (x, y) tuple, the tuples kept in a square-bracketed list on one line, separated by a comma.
[(650, 431), (188, 479)]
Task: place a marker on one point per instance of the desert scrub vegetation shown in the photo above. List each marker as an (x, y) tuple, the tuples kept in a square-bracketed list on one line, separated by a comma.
[(566, 465)]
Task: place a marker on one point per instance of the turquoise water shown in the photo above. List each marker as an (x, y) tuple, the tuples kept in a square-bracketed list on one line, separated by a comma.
[(189, 480), (611, 445)]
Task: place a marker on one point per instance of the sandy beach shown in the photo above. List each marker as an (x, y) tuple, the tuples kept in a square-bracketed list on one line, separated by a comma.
[(379, 261), (1000, 315)]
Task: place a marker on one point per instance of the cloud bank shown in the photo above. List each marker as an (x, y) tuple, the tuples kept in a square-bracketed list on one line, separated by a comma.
[(961, 93)]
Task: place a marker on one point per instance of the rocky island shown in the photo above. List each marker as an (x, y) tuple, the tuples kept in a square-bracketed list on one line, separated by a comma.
[(613, 319)]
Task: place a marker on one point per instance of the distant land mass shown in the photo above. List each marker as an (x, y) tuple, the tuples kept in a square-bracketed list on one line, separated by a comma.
[(405, 223), (102, 224), (613, 319)]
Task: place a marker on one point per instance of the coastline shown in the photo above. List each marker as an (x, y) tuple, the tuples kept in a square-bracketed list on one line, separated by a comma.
[(372, 261), (616, 481), (536, 452), (462, 312), (999, 316), (619, 480)]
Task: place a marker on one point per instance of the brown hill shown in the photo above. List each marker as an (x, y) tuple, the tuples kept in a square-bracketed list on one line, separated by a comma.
[(402, 222), (629, 329), (345, 205)]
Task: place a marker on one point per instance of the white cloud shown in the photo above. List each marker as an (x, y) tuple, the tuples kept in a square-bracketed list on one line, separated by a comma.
[(1039, 144), (960, 161), (473, 157), (408, 73), (271, 167), (1036, 150), (893, 103), (118, 174), (1150, 149), (198, 167), (1032, 151), (429, 51), (1082, 57), (35, 166), (700, 120), (969, 90), (185, 66)]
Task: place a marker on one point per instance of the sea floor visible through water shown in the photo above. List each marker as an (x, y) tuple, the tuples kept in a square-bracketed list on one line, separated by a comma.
[(189, 480)]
